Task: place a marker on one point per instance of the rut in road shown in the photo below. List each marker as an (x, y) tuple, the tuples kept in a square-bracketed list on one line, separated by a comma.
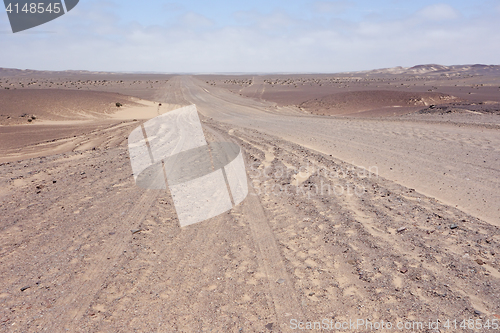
[(283, 296)]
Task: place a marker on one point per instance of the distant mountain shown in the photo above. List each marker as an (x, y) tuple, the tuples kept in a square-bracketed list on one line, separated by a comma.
[(428, 68), (15, 72), (434, 69)]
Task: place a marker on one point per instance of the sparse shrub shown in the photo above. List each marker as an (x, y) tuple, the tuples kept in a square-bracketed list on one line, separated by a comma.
[(30, 120), (118, 104)]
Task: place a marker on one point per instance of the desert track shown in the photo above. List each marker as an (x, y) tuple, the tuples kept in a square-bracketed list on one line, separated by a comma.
[(455, 163), (375, 247)]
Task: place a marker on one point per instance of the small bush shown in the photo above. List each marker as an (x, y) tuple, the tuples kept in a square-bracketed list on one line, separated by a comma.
[(118, 104)]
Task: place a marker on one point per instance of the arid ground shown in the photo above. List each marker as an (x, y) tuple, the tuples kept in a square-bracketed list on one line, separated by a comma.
[(374, 196)]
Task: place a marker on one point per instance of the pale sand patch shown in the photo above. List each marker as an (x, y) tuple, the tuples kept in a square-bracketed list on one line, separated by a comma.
[(301, 176), (59, 122), (147, 110)]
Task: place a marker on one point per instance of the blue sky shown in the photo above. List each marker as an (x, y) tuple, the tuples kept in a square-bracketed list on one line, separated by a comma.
[(257, 36)]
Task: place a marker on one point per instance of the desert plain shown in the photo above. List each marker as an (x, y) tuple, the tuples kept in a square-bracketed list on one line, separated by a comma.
[(373, 196)]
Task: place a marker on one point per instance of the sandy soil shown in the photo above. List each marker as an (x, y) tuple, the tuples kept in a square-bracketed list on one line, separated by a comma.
[(349, 93), (38, 105), (392, 219), (41, 122), (374, 101)]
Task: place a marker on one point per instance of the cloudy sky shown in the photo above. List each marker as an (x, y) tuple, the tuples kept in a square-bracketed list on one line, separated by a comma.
[(257, 36)]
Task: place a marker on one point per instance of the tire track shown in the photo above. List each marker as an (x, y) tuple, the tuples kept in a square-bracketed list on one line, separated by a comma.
[(76, 304), (283, 294)]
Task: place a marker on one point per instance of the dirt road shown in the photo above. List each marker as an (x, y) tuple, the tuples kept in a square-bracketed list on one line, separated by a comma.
[(457, 164), (82, 249)]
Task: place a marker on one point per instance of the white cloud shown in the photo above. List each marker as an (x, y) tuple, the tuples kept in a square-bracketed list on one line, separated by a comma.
[(439, 12), (193, 20)]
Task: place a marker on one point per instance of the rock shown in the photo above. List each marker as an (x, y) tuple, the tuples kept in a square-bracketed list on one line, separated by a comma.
[(404, 270), (401, 229), (453, 226), (270, 326), (135, 231), (480, 262), (477, 312), (25, 288), (281, 281)]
